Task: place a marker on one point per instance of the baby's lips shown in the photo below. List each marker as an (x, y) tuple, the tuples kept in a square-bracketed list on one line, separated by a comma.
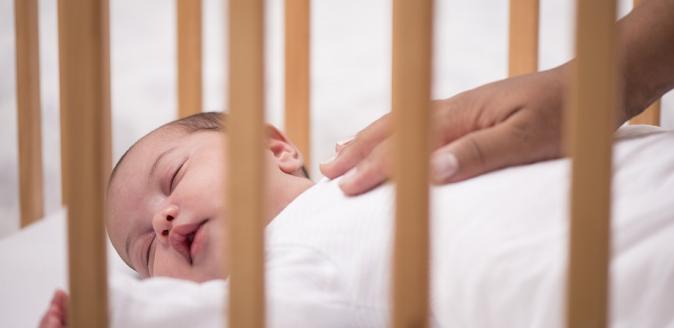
[(178, 237)]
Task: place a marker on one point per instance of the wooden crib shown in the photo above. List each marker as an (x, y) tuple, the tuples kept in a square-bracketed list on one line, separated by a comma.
[(86, 143)]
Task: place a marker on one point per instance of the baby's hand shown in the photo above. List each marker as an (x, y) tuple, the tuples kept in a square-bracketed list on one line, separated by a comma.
[(57, 312)]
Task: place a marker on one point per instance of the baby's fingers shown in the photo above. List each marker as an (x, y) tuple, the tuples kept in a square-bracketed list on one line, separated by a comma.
[(57, 311), (370, 172)]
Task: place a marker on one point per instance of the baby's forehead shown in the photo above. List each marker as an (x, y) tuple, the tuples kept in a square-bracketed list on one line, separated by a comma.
[(149, 146)]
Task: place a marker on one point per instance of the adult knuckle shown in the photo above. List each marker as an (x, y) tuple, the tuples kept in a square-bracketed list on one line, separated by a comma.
[(476, 149)]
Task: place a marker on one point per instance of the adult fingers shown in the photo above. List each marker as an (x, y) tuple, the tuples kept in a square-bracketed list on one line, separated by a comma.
[(353, 151), (370, 172), (483, 151)]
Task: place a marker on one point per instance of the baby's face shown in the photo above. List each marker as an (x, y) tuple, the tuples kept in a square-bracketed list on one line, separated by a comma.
[(166, 214)]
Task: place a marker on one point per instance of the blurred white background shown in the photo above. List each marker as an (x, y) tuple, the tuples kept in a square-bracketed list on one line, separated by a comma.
[(350, 70)]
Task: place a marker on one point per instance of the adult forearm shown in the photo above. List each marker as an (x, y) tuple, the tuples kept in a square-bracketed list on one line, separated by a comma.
[(646, 43)]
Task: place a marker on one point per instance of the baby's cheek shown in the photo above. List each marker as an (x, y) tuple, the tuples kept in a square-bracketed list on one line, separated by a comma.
[(214, 264)]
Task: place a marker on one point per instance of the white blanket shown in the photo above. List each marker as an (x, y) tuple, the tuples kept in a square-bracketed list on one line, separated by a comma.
[(499, 254)]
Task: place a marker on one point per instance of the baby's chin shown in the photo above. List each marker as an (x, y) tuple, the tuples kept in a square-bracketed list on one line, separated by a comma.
[(198, 273)]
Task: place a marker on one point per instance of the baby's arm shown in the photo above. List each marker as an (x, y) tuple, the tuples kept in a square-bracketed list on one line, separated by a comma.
[(57, 312)]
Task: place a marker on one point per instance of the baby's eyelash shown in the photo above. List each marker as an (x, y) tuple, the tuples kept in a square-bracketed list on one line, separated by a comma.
[(173, 178)]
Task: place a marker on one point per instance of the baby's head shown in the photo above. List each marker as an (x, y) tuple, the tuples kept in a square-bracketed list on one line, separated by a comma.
[(166, 196)]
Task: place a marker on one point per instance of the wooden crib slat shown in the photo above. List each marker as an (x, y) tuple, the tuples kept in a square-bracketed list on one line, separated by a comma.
[(189, 57), (411, 92), (28, 110), (83, 38), (651, 115), (591, 122), (297, 65), (523, 37), (246, 180)]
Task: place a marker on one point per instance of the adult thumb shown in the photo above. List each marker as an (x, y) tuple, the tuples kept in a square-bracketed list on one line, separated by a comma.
[(477, 153)]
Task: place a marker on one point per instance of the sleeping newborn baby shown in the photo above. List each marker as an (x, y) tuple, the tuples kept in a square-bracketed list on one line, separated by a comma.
[(497, 241), (166, 196)]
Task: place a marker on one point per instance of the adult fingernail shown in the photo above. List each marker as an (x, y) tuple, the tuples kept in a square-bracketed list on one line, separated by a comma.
[(443, 166), (343, 143), (348, 177), (329, 160)]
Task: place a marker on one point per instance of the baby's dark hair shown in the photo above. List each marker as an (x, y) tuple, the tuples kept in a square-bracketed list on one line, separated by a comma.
[(201, 121), (215, 121)]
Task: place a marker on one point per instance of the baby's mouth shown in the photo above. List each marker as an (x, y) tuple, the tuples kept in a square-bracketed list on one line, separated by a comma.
[(182, 239)]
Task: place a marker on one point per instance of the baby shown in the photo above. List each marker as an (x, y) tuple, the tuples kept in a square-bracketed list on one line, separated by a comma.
[(166, 197), (166, 200)]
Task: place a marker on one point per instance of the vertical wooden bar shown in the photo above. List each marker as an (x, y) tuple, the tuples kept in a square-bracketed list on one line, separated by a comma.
[(62, 113), (411, 93), (246, 180), (523, 37), (28, 110), (591, 121), (189, 57), (85, 108), (297, 66), (651, 115)]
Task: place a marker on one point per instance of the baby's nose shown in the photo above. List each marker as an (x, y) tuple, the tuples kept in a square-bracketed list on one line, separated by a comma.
[(163, 222), (166, 231)]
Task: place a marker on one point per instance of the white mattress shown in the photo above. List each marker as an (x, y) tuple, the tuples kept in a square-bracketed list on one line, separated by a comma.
[(485, 292), (33, 265)]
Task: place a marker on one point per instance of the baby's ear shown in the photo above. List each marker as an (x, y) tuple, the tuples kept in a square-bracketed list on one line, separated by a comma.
[(287, 156)]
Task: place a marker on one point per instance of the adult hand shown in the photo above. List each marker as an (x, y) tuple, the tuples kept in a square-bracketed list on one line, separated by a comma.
[(509, 122)]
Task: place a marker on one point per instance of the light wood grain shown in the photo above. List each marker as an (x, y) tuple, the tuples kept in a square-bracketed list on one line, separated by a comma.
[(189, 22), (650, 116), (590, 123), (246, 180), (84, 61), (411, 92), (28, 110), (523, 37), (297, 77)]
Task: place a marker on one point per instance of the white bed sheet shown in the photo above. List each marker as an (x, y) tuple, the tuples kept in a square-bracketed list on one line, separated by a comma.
[(33, 261), (33, 265)]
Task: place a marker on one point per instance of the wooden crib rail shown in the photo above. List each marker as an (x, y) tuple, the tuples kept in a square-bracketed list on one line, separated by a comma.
[(85, 111), (189, 50), (28, 111), (245, 176), (411, 94), (523, 37), (297, 82), (650, 116), (589, 140)]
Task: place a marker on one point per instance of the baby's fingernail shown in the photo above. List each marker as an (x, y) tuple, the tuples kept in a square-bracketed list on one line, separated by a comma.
[(443, 166), (348, 177), (343, 143)]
